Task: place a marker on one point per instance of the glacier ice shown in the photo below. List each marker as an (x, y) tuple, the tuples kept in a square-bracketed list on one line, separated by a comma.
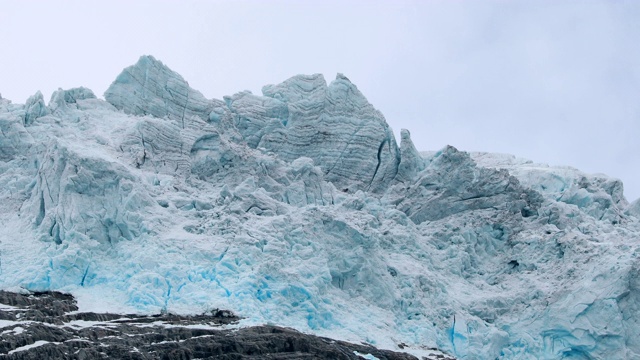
[(634, 208), (336, 127), (411, 162), (34, 108), (297, 207), (151, 88), (451, 184)]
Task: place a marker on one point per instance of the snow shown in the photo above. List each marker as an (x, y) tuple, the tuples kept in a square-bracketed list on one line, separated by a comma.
[(30, 346), (297, 208), (5, 307), (81, 324), (366, 356), (7, 323)]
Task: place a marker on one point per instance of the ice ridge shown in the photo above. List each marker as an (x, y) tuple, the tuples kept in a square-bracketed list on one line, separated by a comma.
[(151, 88), (297, 207)]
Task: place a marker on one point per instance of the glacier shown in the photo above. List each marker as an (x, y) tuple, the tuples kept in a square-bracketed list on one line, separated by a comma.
[(298, 208)]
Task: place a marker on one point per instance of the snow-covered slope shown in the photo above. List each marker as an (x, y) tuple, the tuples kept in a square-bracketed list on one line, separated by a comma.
[(298, 208)]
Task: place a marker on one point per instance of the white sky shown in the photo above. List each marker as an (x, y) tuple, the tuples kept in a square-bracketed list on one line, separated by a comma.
[(553, 81)]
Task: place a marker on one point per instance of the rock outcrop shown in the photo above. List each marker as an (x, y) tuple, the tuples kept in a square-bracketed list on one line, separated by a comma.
[(48, 326)]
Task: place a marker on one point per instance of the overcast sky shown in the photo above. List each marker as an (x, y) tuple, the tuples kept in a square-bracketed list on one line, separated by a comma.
[(556, 82)]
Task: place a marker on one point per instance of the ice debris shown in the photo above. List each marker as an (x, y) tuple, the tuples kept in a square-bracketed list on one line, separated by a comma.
[(297, 207)]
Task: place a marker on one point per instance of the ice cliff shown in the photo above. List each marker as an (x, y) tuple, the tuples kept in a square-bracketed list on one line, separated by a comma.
[(298, 208)]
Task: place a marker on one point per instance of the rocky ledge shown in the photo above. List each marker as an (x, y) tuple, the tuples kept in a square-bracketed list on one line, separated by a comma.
[(48, 325)]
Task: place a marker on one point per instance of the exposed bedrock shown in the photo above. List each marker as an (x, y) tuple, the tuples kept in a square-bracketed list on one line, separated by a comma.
[(48, 326)]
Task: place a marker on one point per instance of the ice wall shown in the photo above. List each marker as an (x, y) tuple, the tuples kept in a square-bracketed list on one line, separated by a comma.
[(337, 127), (297, 207), (151, 88)]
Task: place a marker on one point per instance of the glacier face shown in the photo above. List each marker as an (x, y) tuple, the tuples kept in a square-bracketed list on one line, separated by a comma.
[(298, 208)]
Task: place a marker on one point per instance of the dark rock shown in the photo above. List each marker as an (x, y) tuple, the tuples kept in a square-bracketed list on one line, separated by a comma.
[(44, 330)]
